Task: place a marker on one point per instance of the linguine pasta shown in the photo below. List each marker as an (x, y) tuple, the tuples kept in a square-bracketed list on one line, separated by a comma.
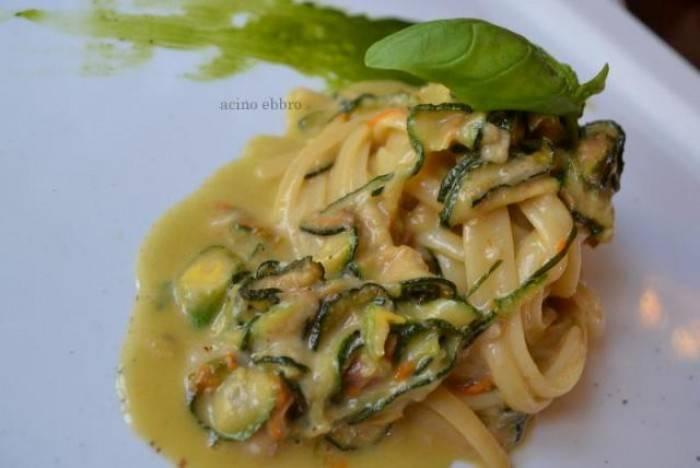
[(537, 350), (413, 253)]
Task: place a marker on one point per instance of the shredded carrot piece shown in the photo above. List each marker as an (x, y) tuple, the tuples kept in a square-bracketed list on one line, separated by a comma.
[(405, 370), (231, 362), (383, 115), (277, 425), (475, 387), (205, 378)]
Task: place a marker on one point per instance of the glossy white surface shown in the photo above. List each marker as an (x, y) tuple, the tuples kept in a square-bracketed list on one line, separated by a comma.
[(87, 164)]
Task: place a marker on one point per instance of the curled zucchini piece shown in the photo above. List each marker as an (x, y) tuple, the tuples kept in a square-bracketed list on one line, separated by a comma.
[(280, 323), (239, 405), (376, 325), (436, 127), (405, 334), (352, 343), (479, 181), (365, 101), (403, 387), (458, 313), (338, 251), (371, 101), (337, 216), (272, 278), (350, 348), (336, 224), (469, 161), (335, 310), (495, 144), (201, 287), (421, 290), (512, 301), (592, 176), (599, 154), (418, 347)]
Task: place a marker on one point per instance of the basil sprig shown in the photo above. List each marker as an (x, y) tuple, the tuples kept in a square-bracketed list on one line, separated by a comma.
[(485, 66)]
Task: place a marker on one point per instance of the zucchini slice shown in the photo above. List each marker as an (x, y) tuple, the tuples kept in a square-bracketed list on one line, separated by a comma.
[(200, 289), (495, 144), (338, 252), (272, 278), (331, 364), (419, 348), (422, 290), (458, 313), (376, 325), (514, 122), (364, 101), (240, 404), (404, 334), (381, 396), (524, 292), (371, 189), (480, 180), (483, 278), (347, 352), (373, 101), (272, 329), (469, 161), (593, 176), (599, 154), (504, 305), (436, 127), (235, 310), (337, 217), (335, 310), (352, 343)]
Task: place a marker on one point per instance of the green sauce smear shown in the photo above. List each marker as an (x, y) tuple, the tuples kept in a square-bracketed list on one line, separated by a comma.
[(314, 40)]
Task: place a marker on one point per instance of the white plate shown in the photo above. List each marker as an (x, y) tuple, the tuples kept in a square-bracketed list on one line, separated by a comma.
[(87, 164)]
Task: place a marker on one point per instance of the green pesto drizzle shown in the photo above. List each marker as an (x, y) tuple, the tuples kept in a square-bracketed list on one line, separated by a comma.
[(314, 40)]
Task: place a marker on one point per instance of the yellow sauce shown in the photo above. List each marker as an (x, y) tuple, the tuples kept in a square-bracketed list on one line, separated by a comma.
[(161, 345)]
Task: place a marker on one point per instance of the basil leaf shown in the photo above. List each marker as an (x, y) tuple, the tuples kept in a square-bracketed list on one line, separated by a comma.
[(485, 66)]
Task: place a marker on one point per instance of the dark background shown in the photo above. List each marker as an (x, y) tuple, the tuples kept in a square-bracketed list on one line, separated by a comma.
[(676, 21)]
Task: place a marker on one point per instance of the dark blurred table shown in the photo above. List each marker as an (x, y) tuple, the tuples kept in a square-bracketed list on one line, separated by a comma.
[(676, 21)]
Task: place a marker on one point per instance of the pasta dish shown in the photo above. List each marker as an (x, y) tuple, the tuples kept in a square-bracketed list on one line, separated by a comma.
[(398, 264)]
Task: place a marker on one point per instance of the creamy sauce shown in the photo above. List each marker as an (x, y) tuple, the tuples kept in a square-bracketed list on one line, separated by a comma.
[(161, 346)]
